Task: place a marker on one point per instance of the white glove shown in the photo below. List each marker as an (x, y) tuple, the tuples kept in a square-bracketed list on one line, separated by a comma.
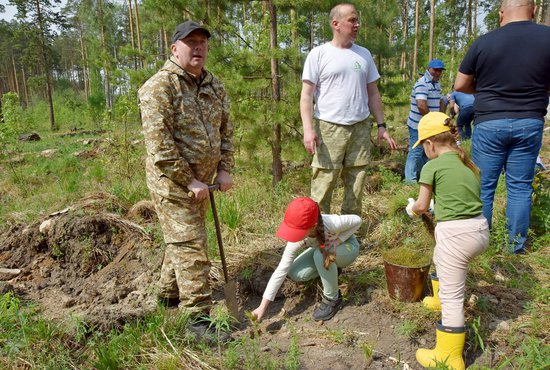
[(409, 208), (431, 209)]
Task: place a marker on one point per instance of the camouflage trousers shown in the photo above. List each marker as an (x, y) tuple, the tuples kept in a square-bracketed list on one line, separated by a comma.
[(185, 269), (323, 182), (184, 275), (344, 152)]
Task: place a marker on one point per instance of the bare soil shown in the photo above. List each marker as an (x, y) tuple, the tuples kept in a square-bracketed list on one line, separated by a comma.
[(96, 261)]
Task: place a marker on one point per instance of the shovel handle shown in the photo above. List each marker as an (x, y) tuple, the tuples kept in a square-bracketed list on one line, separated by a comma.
[(211, 188), (219, 237)]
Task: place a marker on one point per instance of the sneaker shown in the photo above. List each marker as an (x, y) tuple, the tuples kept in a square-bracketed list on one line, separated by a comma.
[(203, 330), (327, 308)]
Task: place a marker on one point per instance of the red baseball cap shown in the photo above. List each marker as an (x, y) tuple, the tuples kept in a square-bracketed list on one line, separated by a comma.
[(300, 215)]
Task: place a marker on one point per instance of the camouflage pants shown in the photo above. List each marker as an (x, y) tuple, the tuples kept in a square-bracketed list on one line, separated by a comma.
[(184, 275), (344, 152), (185, 269), (324, 181)]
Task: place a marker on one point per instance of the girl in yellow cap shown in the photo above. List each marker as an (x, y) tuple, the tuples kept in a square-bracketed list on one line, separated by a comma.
[(461, 232)]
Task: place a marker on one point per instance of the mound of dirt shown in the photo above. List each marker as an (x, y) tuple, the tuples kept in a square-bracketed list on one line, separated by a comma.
[(84, 261), (95, 260)]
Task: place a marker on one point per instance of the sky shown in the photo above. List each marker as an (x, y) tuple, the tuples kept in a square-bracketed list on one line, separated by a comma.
[(10, 11), (9, 14)]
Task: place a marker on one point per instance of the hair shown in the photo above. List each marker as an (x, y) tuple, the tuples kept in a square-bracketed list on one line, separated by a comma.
[(451, 138), (336, 12), (320, 228)]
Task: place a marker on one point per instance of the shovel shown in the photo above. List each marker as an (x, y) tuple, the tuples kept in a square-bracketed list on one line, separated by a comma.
[(229, 289)]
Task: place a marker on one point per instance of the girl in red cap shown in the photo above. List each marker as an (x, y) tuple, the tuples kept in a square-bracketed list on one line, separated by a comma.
[(317, 245), (461, 232)]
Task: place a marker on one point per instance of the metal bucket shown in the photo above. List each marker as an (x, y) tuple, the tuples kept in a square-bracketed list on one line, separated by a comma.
[(406, 284)]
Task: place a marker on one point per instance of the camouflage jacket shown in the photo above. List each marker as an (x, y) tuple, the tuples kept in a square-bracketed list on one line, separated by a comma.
[(185, 124)]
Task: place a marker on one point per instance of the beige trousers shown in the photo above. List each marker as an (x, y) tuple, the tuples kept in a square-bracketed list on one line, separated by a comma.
[(457, 242), (344, 152)]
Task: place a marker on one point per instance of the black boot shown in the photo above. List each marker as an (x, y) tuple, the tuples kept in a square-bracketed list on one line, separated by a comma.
[(327, 308), (204, 330), (168, 302)]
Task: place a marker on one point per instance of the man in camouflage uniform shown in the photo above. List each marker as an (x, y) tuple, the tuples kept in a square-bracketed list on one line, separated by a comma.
[(189, 140)]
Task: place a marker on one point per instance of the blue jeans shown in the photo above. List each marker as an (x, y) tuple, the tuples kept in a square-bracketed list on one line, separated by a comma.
[(416, 158), (512, 144), (464, 122)]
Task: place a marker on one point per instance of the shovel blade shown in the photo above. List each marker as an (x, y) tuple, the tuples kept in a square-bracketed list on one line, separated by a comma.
[(230, 293)]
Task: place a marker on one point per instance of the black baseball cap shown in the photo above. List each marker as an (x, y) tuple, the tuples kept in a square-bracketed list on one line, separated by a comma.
[(185, 28)]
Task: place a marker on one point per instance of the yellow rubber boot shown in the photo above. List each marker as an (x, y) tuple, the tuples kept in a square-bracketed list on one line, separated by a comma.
[(433, 303), (448, 348)]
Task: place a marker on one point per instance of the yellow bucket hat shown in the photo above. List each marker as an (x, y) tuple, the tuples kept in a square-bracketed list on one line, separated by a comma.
[(431, 124)]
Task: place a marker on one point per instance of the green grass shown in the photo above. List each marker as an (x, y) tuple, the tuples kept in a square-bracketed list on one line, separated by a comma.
[(408, 329), (249, 215), (407, 256)]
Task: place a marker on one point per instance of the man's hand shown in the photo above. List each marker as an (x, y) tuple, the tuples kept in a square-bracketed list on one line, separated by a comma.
[(383, 134), (200, 189), (224, 179), (311, 141)]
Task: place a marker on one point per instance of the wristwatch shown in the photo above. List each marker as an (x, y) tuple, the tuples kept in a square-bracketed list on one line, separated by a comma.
[(383, 124)]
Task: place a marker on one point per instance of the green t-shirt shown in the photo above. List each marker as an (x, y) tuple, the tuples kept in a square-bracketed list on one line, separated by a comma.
[(455, 186)]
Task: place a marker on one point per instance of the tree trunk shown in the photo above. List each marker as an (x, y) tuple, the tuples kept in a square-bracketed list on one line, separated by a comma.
[(453, 47), (131, 21), (11, 83), (15, 79), (548, 14), (83, 53), (405, 24), (104, 51), (469, 19), (46, 64), (415, 53), (432, 26), (25, 89), (277, 167), (162, 43), (138, 33), (475, 18), (167, 52)]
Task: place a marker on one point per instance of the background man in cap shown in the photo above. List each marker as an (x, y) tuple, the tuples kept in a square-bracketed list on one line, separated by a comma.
[(189, 140), (425, 97), (509, 70)]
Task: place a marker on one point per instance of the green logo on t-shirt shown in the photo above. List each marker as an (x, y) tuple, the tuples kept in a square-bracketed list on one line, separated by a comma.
[(356, 66)]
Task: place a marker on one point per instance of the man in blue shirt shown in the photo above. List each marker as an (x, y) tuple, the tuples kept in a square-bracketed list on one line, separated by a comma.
[(463, 105), (425, 97)]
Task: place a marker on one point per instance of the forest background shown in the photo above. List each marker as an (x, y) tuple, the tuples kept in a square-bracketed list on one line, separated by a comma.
[(84, 60)]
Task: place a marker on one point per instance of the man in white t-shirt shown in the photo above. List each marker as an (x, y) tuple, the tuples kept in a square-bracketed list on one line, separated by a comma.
[(341, 77)]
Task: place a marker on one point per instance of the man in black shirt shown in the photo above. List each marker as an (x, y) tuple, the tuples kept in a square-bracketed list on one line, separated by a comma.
[(509, 71)]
